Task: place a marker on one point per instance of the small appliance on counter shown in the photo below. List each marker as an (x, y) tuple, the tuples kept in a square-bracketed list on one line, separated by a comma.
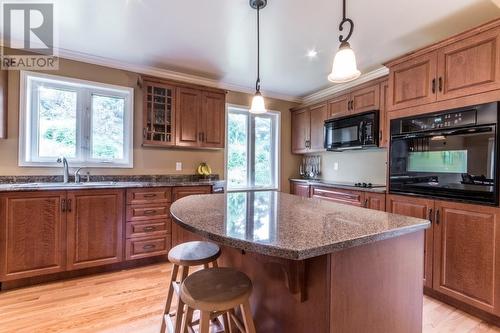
[(358, 131), (310, 168), (450, 154)]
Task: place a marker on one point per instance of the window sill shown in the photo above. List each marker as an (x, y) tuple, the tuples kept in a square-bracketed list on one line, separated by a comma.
[(75, 165)]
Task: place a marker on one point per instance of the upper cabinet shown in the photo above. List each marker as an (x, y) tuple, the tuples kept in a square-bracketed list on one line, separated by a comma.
[(365, 99), (339, 106), (308, 129), (383, 121), (461, 66), (182, 115)]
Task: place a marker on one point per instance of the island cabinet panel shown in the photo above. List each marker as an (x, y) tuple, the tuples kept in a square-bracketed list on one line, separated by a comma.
[(466, 254), (318, 114), (419, 208), (469, 66), (348, 197), (374, 201), (301, 125), (213, 120), (413, 82), (365, 99), (188, 131), (300, 189), (32, 234), (95, 227)]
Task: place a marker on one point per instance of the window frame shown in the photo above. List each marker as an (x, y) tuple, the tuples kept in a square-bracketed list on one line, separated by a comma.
[(275, 117), (29, 130)]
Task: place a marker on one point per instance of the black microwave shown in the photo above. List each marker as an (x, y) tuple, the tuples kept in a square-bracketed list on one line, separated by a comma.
[(352, 132)]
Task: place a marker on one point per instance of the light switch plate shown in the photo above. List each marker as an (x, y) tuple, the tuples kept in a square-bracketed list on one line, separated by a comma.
[(178, 166)]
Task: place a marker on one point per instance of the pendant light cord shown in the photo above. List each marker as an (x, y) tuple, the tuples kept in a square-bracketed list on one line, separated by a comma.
[(257, 83)]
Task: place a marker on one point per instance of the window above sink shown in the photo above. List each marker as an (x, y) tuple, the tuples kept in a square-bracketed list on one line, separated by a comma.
[(89, 123)]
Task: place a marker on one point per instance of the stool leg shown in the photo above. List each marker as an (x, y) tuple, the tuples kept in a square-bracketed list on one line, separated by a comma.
[(187, 319), (170, 294), (227, 326), (205, 266), (215, 264), (180, 303), (246, 312), (204, 322)]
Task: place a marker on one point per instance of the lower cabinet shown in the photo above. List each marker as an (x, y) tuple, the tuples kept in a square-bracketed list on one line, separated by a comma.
[(462, 257), (184, 191), (94, 228), (299, 188)]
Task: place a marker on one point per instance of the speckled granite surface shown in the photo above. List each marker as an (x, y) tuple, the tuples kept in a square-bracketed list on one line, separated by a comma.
[(287, 226), (29, 183), (347, 186)]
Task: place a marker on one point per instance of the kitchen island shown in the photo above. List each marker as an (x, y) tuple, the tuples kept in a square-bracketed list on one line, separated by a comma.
[(316, 266)]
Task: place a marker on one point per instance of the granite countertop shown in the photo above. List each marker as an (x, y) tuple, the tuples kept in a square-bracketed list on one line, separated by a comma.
[(37, 183), (287, 226), (348, 186)]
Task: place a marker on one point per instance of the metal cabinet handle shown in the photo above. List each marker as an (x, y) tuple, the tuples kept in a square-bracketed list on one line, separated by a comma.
[(149, 229), (380, 135), (430, 215), (150, 212), (63, 205), (150, 195), (440, 84), (68, 205), (437, 216), (148, 247), (366, 203), (434, 85)]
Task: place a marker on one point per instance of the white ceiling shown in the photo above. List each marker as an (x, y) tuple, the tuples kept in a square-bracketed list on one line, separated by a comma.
[(217, 39)]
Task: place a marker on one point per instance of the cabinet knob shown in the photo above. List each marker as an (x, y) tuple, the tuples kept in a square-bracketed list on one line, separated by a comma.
[(430, 215), (63, 205), (433, 85), (149, 229), (440, 84), (68, 205), (148, 247), (437, 216)]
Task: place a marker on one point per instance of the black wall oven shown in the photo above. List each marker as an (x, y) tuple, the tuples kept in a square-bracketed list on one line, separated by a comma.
[(352, 132), (450, 155)]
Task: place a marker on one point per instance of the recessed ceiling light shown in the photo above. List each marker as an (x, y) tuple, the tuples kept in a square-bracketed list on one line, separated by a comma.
[(312, 53)]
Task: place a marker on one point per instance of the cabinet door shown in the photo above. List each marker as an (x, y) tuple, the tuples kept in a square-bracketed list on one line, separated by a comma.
[(301, 124), (158, 114), (347, 197), (338, 106), (469, 66), (188, 129), (413, 82), (213, 120), (32, 234), (318, 117), (184, 191), (419, 208), (366, 99), (299, 188), (95, 227), (383, 136), (466, 254), (375, 201)]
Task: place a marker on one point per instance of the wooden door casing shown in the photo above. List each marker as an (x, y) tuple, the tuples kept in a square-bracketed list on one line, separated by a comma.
[(466, 254), (469, 66), (318, 115), (188, 129), (299, 188), (365, 99), (301, 125), (413, 82), (419, 208), (95, 227), (213, 120), (338, 106), (32, 234)]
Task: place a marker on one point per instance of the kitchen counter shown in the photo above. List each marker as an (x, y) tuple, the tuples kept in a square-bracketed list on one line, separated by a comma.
[(285, 225), (341, 185), (316, 266)]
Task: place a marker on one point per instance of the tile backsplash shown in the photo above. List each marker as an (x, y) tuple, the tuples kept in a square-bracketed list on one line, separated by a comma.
[(368, 166)]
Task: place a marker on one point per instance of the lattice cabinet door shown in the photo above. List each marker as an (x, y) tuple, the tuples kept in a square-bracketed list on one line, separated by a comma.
[(159, 114)]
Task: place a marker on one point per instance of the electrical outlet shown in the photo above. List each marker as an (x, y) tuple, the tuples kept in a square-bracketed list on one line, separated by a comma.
[(336, 166), (178, 166)]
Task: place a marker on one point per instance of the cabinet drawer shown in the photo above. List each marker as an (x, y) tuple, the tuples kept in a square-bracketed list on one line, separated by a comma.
[(149, 228), (147, 247), (347, 197), (149, 195), (147, 212)]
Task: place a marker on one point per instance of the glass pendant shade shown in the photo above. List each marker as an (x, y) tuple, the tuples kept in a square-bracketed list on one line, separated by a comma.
[(344, 67), (258, 104)]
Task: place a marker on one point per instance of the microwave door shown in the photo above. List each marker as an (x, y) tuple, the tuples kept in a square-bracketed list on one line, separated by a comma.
[(345, 137)]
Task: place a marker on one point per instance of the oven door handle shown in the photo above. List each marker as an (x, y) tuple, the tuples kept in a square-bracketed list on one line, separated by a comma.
[(483, 129)]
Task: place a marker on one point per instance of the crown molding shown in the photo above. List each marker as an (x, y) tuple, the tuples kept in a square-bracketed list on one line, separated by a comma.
[(322, 94), (169, 74)]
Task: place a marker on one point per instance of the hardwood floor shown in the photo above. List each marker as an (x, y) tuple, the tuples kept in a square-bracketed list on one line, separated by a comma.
[(132, 301)]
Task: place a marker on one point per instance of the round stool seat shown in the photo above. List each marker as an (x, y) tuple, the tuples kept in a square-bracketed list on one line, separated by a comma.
[(216, 289), (194, 253)]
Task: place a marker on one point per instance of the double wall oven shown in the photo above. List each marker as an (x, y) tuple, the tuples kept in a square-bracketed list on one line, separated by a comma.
[(449, 155)]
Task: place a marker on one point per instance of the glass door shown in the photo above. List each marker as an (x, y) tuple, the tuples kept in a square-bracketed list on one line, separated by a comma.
[(158, 114)]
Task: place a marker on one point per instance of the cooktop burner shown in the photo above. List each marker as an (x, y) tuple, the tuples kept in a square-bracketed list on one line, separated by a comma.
[(367, 185)]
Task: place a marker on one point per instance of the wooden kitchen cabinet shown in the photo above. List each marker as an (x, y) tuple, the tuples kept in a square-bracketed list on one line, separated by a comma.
[(213, 119), (384, 128), (419, 208), (365, 99), (467, 254), (318, 115), (339, 106), (348, 197), (374, 201), (32, 234), (188, 124), (184, 191), (158, 114), (299, 188), (301, 125), (95, 227)]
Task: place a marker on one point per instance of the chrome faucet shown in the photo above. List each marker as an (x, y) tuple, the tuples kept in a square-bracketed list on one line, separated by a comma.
[(65, 167), (77, 175)]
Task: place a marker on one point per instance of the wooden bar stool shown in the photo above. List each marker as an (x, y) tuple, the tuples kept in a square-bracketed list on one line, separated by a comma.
[(216, 292), (184, 256)]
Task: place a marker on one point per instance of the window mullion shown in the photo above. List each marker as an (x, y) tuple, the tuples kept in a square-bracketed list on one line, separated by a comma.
[(252, 150)]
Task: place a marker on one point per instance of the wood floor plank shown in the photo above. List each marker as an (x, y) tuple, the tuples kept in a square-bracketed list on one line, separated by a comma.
[(131, 301)]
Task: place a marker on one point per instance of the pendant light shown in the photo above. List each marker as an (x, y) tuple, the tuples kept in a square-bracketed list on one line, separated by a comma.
[(344, 67), (258, 103)]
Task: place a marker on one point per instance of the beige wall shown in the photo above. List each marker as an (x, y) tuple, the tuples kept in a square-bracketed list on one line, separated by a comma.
[(146, 160)]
